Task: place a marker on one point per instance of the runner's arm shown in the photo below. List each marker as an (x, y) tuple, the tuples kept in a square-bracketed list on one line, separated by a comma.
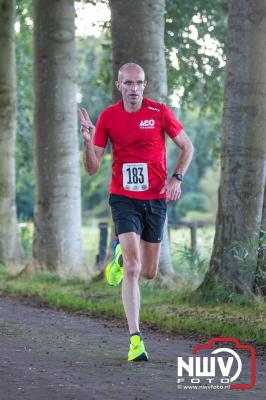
[(185, 145), (92, 156), (173, 188)]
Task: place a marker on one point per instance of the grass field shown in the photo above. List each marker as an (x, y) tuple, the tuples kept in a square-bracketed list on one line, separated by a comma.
[(189, 267), (176, 309), (170, 310)]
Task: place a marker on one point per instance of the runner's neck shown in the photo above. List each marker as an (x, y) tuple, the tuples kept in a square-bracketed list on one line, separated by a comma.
[(130, 108)]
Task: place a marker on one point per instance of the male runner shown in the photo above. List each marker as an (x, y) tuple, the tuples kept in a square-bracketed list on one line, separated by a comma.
[(139, 191)]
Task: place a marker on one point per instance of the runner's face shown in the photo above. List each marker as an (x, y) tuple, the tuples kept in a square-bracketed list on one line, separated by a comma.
[(132, 84)]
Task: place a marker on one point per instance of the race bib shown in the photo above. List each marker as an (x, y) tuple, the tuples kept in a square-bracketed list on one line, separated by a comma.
[(135, 177)]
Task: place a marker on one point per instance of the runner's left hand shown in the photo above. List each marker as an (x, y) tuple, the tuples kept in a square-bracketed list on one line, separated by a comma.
[(173, 190)]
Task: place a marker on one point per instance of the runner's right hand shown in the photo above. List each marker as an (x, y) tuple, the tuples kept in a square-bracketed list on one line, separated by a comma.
[(86, 127)]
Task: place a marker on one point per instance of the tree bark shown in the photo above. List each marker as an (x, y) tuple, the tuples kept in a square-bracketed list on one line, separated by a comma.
[(10, 246), (243, 157), (57, 239), (260, 281), (137, 28), (165, 264)]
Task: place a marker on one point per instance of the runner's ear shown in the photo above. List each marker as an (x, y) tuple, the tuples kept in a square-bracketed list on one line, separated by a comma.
[(118, 85)]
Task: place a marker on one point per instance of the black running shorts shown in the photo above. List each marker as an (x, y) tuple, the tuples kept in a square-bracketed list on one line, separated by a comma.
[(144, 217)]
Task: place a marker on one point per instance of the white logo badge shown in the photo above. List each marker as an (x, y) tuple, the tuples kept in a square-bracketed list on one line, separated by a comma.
[(147, 123), (154, 109)]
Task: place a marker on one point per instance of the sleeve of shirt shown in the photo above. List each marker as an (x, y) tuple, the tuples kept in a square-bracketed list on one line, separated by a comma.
[(171, 125), (101, 132)]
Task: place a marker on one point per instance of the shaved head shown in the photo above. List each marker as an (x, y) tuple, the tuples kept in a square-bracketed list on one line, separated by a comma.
[(128, 67), (131, 83)]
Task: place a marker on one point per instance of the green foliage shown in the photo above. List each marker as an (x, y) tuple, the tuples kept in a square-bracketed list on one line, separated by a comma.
[(91, 83), (200, 71), (261, 266), (250, 269), (251, 257), (24, 145), (49, 277), (105, 61), (209, 184), (246, 254), (215, 292), (191, 201), (90, 240), (95, 189), (189, 264), (204, 131), (26, 236)]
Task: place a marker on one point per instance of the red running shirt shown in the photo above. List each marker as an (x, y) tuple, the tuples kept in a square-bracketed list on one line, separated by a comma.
[(138, 146)]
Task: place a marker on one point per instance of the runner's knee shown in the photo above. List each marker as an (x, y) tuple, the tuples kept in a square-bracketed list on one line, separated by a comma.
[(149, 274), (149, 270), (131, 270)]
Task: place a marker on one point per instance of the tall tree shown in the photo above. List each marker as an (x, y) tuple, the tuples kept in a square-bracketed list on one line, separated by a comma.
[(243, 157), (137, 28), (260, 281), (57, 239), (10, 248)]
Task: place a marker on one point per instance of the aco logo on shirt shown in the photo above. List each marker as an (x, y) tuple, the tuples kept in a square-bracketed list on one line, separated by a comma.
[(147, 123)]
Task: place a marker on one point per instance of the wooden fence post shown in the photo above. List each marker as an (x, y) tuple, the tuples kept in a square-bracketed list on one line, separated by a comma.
[(193, 236), (103, 226), (193, 230)]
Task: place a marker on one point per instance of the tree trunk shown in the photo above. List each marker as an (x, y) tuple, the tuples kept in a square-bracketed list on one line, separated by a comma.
[(57, 240), (243, 157), (165, 264), (138, 36), (10, 247), (263, 219), (260, 282)]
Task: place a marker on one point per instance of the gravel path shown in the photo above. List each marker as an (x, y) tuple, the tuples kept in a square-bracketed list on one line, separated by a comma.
[(48, 354)]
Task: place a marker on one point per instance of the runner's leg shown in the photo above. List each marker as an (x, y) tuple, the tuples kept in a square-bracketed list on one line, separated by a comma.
[(149, 255), (130, 245)]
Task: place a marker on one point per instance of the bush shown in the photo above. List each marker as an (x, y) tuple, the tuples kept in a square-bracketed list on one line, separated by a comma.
[(191, 202), (26, 235)]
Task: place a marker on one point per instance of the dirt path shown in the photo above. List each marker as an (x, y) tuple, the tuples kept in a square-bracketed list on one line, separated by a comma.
[(47, 354)]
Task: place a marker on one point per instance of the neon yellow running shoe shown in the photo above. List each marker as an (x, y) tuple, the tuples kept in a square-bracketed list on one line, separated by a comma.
[(114, 269), (137, 350)]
